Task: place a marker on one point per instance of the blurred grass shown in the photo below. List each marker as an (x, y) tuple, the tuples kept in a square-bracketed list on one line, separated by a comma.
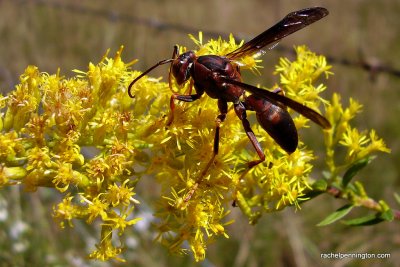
[(53, 38)]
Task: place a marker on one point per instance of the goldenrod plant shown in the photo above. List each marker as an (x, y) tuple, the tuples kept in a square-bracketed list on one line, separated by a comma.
[(49, 123)]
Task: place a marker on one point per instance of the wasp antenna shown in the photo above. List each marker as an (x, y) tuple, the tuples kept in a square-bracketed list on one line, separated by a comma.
[(174, 56), (162, 62)]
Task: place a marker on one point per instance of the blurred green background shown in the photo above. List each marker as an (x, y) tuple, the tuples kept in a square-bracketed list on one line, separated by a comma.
[(68, 34)]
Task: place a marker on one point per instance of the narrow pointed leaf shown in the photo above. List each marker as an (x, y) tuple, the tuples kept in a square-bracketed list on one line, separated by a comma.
[(337, 215), (354, 169), (364, 221)]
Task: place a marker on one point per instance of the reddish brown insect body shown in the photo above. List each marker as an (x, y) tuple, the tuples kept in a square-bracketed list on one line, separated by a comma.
[(219, 77)]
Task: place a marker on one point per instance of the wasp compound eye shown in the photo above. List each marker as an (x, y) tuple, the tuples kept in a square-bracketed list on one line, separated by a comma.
[(181, 67)]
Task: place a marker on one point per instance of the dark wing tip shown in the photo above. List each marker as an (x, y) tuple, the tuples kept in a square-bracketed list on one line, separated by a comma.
[(306, 16), (323, 11), (313, 13), (324, 123)]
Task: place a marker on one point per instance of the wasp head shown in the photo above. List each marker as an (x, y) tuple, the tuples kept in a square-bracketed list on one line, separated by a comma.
[(181, 66)]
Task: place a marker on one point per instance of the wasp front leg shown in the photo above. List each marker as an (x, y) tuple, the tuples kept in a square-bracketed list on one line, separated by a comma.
[(184, 98)]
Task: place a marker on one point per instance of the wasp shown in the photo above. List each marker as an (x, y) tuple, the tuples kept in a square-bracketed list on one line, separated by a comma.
[(219, 77)]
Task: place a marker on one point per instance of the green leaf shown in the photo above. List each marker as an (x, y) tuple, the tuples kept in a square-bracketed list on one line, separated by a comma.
[(338, 214), (364, 221), (354, 169)]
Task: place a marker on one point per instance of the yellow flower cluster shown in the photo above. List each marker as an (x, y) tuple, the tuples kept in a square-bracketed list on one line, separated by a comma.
[(85, 137), (359, 144)]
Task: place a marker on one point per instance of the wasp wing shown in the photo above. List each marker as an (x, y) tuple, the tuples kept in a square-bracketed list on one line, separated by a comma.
[(277, 98), (291, 23)]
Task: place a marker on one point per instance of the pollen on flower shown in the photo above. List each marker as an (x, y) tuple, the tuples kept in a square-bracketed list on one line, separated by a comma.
[(122, 194), (64, 177), (66, 211), (120, 222), (39, 158), (96, 208)]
